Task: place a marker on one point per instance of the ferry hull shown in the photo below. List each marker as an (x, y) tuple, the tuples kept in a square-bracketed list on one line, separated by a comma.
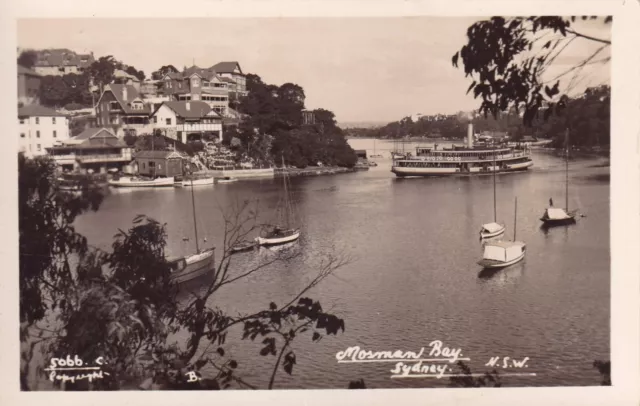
[(426, 172)]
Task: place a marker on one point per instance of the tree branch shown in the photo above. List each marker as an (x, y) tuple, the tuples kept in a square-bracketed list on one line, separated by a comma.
[(577, 34)]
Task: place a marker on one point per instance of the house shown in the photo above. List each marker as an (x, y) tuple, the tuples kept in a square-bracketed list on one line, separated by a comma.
[(40, 127), (58, 62), (124, 78), (149, 88), (187, 120), (28, 86), (159, 163), (232, 70), (95, 149), (122, 109), (308, 117), (197, 84)]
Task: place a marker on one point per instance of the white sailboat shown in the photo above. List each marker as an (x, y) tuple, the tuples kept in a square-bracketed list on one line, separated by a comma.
[(285, 231), (501, 254), (553, 216), (493, 229), (192, 266)]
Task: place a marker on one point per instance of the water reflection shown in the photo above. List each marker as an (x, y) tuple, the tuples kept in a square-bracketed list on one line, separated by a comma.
[(502, 276)]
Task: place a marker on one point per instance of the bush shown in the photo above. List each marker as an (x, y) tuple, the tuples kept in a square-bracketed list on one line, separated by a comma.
[(74, 106)]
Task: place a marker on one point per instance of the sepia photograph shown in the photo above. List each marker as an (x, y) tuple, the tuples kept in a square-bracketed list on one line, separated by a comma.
[(386, 202)]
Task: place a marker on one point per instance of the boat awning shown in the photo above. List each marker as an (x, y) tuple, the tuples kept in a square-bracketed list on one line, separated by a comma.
[(492, 227), (503, 251), (556, 214)]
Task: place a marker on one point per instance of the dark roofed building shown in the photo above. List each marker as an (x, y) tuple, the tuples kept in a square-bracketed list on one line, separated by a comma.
[(58, 62), (122, 109), (187, 120), (159, 163)]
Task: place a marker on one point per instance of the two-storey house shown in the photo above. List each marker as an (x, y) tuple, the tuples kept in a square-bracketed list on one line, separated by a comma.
[(28, 86), (39, 128), (122, 109), (232, 72), (96, 149), (196, 84), (58, 62), (187, 120)]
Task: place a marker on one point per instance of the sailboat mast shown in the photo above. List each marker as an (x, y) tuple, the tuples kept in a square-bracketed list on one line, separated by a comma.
[(495, 215), (515, 219), (195, 224), (566, 192), (286, 197)]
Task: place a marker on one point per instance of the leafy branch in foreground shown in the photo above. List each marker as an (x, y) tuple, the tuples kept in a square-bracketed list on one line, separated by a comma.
[(120, 304), (510, 61)]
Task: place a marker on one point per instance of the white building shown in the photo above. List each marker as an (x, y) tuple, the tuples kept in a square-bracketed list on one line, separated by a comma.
[(40, 128), (187, 120)]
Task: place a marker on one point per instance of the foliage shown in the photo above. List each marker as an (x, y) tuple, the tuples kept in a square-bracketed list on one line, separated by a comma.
[(137, 73), (121, 305), (604, 368), (507, 58), (467, 380), (130, 139), (149, 142), (28, 59), (157, 75), (58, 91), (274, 128), (102, 71)]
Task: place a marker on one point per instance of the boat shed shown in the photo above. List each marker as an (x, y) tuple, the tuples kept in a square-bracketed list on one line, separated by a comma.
[(159, 163)]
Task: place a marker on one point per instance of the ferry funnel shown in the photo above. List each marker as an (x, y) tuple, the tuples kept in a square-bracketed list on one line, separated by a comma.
[(470, 136)]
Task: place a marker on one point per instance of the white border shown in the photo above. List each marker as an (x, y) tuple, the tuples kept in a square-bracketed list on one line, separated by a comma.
[(625, 202)]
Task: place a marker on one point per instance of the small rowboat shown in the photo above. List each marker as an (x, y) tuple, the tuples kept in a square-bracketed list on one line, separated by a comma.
[(226, 179), (491, 230), (243, 246), (198, 182), (502, 254), (278, 236)]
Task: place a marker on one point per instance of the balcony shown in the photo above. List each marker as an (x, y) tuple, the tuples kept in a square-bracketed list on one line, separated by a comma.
[(85, 159)]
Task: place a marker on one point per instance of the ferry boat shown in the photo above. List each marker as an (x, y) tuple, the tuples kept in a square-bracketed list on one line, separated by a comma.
[(463, 160), (140, 182)]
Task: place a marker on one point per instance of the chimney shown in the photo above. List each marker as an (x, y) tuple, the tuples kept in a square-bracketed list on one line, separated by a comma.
[(188, 106), (470, 136), (124, 92)]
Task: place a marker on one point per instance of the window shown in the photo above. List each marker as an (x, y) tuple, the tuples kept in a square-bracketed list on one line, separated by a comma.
[(195, 82), (152, 164), (155, 119), (21, 135), (37, 120), (114, 105), (53, 119), (114, 120), (168, 121), (22, 121), (39, 149), (54, 134), (37, 134)]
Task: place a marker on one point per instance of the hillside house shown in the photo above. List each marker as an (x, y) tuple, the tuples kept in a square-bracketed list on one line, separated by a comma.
[(39, 128), (187, 120)]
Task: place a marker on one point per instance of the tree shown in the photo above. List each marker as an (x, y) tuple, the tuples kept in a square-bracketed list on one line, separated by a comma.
[(133, 71), (159, 74), (120, 304), (28, 59), (510, 61), (102, 71)]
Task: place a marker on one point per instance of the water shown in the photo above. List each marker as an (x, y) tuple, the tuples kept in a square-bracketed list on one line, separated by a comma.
[(413, 277)]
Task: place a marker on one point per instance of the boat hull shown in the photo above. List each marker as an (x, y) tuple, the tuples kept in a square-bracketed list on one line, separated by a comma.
[(492, 264), (164, 182), (243, 247), (196, 265), (198, 182), (426, 172), (277, 241), (493, 234)]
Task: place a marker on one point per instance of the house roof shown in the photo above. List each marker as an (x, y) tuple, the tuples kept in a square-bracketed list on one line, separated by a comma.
[(132, 94), (197, 109), (119, 73), (63, 57), (26, 71), (228, 80), (226, 67), (92, 138), (158, 154), (35, 110)]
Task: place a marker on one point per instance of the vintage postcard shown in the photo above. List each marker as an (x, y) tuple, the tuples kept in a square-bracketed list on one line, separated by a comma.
[(307, 197)]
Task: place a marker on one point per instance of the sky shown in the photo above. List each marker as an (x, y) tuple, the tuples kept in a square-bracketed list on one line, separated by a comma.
[(362, 69)]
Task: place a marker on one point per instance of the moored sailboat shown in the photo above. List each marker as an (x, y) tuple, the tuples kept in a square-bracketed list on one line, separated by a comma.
[(192, 266), (501, 254), (493, 229), (285, 231), (553, 216)]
